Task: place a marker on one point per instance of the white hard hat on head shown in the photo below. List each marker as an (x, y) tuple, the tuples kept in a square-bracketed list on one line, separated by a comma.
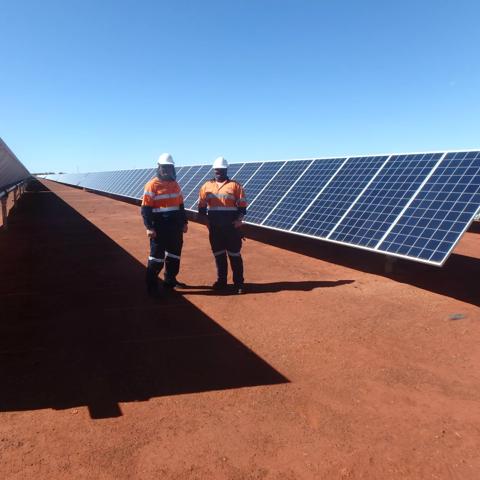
[(165, 159), (220, 162)]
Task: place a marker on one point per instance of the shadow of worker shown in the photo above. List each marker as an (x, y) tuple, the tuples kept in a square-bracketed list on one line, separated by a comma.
[(273, 287), (77, 328)]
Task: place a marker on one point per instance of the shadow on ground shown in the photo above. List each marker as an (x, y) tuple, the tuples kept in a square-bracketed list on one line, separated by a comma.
[(305, 286), (458, 278), (77, 329)]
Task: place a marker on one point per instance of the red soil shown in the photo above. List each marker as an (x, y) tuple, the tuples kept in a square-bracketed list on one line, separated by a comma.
[(328, 368)]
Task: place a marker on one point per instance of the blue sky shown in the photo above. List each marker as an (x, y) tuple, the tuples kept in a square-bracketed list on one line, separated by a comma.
[(101, 85)]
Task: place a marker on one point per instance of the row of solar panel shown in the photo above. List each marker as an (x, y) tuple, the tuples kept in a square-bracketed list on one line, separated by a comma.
[(11, 169), (415, 206)]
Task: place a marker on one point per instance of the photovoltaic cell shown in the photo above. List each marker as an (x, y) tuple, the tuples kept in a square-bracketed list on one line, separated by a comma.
[(414, 206), (194, 178), (242, 176), (302, 194), (133, 184), (183, 175), (384, 199), (147, 174), (440, 213), (337, 197), (204, 174), (270, 196), (264, 174)]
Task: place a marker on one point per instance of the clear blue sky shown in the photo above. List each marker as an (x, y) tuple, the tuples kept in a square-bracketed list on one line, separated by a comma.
[(100, 85)]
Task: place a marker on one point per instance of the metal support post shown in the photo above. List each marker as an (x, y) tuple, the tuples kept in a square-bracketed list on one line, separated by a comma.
[(4, 211), (389, 264)]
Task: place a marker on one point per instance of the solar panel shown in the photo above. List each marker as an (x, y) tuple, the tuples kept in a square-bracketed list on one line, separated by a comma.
[(190, 194), (440, 213), (315, 177), (130, 182), (184, 174), (264, 202), (260, 179), (327, 209), (147, 174), (244, 174), (413, 206), (371, 216), (194, 179)]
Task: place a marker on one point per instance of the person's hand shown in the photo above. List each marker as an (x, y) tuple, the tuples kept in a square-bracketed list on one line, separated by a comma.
[(185, 228), (151, 233), (237, 223)]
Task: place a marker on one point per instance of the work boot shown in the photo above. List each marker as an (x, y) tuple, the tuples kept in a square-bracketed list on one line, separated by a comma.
[(171, 283), (220, 285), (154, 291), (239, 289)]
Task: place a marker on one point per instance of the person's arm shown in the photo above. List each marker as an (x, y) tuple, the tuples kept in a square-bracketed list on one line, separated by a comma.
[(241, 201), (147, 211), (183, 213), (202, 201)]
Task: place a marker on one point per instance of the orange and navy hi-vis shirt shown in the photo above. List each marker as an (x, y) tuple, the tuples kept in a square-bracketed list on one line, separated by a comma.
[(162, 201), (223, 202)]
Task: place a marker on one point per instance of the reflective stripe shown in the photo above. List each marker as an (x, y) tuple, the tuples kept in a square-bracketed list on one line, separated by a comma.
[(233, 254), (243, 199), (221, 195), (224, 208), (149, 194), (158, 260), (168, 254), (166, 195), (165, 209), (220, 252)]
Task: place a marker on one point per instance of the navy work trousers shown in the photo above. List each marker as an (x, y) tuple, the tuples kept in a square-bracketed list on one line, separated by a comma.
[(227, 240), (165, 249)]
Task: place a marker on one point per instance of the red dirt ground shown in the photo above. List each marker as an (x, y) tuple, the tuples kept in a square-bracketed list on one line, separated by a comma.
[(327, 369)]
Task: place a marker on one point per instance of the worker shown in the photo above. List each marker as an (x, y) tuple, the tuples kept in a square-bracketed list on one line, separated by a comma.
[(223, 201), (166, 221)]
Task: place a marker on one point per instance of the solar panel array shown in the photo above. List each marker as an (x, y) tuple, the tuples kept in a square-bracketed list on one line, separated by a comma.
[(12, 170), (414, 206)]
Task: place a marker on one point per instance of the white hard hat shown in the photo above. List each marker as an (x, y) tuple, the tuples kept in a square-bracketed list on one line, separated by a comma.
[(165, 159), (220, 162)]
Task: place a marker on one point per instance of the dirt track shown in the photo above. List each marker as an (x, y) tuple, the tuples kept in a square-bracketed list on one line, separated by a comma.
[(322, 371)]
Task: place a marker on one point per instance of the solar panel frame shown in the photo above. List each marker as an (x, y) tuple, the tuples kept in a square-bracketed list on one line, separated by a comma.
[(184, 175), (329, 207), (260, 179), (129, 182), (373, 212), (193, 189), (123, 188), (147, 174), (442, 214), (247, 172), (108, 177), (116, 181), (197, 173), (263, 204), (135, 183), (299, 187)]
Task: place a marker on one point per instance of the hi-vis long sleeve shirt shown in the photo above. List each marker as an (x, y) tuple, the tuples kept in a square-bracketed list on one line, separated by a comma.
[(162, 202), (222, 202)]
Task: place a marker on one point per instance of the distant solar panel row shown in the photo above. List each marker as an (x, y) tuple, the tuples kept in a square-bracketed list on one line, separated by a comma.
[(413, 206), (12, 170)]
